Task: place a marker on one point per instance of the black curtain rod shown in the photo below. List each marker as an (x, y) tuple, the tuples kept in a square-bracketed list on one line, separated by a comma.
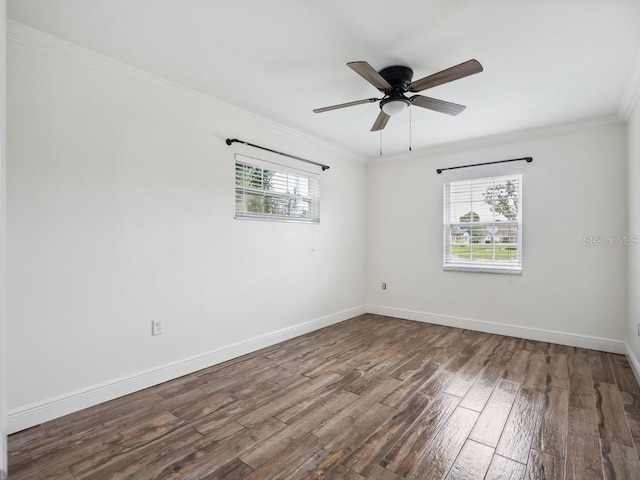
[(526, 159), (235, 140)]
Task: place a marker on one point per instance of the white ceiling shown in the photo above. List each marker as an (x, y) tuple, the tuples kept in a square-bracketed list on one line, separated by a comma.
[(546, 62)]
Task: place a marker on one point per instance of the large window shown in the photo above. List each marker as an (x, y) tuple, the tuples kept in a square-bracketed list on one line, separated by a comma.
[(267, 190), (483, 224)]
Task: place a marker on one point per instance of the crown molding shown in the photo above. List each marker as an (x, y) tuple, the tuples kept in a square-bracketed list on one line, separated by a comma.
[(37, 39), (631, 92), (504, 139)]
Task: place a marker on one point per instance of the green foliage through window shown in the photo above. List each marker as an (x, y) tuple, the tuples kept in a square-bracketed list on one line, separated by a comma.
[(503, 198)]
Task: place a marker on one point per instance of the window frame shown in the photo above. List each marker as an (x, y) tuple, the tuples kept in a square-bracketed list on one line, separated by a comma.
[(480, 266), (282, 199)]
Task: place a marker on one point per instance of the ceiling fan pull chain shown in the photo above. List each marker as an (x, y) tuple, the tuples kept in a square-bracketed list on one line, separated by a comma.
[(410, 124), (380, 142)]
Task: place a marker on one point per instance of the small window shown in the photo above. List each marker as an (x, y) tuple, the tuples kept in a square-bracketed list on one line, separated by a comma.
[(266, 190), (483, 224)]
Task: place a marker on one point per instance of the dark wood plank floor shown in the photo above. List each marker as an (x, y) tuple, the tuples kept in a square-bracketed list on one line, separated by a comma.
[(370, 398)]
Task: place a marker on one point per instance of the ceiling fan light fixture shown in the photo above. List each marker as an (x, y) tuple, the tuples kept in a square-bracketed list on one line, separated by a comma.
[(394, 106)]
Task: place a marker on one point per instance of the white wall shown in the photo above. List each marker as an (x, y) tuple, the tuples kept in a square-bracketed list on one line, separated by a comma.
[(633, 189), (120, 211), (574, 187)]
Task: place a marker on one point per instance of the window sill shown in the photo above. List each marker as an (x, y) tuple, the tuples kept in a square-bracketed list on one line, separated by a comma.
[(261, 218), (502, 271)]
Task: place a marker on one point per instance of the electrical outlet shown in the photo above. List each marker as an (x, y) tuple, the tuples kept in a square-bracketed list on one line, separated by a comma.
[(157, 327), (384, 285)]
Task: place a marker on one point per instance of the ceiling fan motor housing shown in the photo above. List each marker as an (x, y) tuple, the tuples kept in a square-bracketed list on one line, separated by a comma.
[(399, 77)]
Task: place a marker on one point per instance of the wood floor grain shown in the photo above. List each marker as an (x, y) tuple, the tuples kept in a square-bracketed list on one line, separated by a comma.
[(373, 398)]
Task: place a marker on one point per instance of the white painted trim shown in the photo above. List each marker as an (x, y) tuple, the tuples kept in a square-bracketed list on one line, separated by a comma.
[(551, 336), (633, 361), (31, 37), (502, 139), (43, 411), (631, 91)]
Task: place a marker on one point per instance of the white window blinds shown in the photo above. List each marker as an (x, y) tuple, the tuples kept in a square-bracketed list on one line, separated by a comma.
[(483, 224), (270, 191)]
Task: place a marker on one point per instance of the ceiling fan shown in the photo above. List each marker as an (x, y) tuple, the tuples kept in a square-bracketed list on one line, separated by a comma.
[(395, 81)]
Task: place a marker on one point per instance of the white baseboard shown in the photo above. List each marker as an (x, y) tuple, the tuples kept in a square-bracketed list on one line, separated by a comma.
[(563, 338), (633, 361), (43, 411)]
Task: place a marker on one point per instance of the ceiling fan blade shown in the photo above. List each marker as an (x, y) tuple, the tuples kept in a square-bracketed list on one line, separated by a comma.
[(380, 122), (465, 69), (367, 72), (437, 105), (343, 105)]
